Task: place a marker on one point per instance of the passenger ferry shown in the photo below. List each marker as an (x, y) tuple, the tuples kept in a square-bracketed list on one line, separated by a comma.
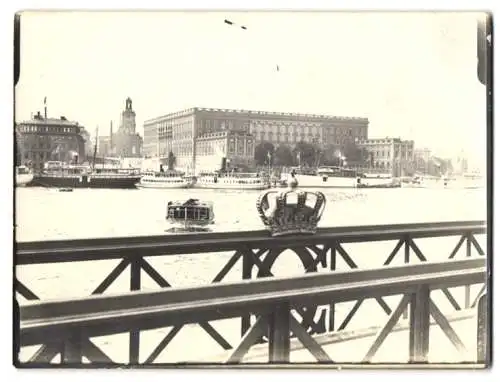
[(189, 215), (232, 180), (62, 175), (23, 175), (340, 177), (165, 179)]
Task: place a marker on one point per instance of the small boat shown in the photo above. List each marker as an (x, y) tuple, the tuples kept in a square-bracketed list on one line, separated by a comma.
[(427, 181), (191, 213), (387, 185), (23, 175), (165, 179), (66, 189)]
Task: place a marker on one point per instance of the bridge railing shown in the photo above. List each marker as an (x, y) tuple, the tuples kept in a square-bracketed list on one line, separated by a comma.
[(256, 253), (68, 325)]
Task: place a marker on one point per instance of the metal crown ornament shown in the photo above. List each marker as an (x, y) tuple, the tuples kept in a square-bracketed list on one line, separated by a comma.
[(294, 211)]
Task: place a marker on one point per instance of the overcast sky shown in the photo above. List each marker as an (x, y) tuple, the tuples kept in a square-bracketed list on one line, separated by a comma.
[(412, 74)]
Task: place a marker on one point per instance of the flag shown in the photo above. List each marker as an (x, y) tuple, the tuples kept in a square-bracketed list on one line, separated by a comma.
[(298, 155), (269, 155), (45, 100)]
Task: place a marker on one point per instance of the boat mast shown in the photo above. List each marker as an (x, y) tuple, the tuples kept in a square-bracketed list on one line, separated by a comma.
[(95, 146)]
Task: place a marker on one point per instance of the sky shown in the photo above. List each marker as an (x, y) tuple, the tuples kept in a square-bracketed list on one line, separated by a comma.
[(413, 75)]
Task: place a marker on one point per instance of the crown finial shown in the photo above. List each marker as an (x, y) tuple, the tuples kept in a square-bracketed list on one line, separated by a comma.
[(293, 182), (291, 211)]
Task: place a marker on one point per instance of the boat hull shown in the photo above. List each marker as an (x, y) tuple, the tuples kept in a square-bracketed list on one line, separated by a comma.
[(319, 181), (230, 186), (164, 186), (84, 181)]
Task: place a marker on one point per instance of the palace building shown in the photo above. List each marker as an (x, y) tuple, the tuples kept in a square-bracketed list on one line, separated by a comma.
[(199, 135)]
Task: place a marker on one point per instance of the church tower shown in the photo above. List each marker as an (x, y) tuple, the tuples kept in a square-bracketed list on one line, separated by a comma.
[(127, 125)]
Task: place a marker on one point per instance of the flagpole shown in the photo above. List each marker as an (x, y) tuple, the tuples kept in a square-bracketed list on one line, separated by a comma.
[(45, 106)]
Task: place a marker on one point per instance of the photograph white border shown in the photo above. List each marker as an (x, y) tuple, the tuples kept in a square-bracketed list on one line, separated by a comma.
[(8, 10)]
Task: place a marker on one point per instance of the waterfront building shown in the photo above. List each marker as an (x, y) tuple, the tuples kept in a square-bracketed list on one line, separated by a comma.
[(42, 139), (178, 132), (224, 149), (390, 155), (422, 160)]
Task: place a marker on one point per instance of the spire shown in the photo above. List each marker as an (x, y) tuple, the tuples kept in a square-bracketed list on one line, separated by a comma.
[(128, 104)]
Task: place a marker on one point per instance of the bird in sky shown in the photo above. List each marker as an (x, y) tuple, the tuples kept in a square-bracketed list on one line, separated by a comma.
[(229, 22)]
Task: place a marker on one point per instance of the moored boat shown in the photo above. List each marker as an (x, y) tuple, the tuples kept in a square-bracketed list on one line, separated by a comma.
[(341, 177), (57, 174), (23, 176), (165, 179), (232, 180)]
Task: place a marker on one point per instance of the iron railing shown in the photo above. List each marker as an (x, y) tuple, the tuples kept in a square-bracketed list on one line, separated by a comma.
[(68, 325), (258, 252)]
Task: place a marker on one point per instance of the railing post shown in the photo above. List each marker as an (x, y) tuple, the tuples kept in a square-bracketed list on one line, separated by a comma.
[(467, 287), (482, 330), (246, 274), (333, 267), (135, 284), (407, 260), (279, 334), (71, 352), (419, 324)]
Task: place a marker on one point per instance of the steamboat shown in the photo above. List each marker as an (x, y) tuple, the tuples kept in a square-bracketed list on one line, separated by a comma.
[(62, 175), (341, 177), (231, 180), (165, 179)]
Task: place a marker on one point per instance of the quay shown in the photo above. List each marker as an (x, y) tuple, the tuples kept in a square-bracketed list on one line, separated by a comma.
[(297, 318)]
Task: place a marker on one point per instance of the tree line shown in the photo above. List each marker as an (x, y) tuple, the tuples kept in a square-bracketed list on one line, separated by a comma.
[(309, 154)]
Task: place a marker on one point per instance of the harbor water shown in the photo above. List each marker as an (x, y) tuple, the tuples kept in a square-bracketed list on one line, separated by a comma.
[(47, 214)]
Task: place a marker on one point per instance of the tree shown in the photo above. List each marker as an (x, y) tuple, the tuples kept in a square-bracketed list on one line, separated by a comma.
[(309, 153), (330, 155), (353, 153), (171, 160), (283, 156), (262, 152)]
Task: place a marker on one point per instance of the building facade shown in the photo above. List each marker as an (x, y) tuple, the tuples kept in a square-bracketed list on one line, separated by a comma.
[(236, 148), (392, 155), (422, 160), (43, 139), (179, 132)]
